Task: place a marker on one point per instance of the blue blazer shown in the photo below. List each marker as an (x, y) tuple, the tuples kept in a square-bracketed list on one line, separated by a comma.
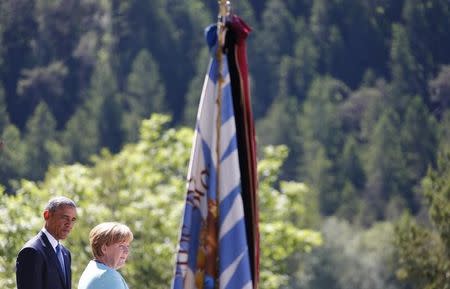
[(37, 266)]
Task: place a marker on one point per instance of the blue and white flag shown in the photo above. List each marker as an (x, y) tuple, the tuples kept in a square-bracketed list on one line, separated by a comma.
[(213, 250)]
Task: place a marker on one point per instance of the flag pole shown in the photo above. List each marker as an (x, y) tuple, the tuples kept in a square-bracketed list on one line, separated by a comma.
[(219, 55), (220, 80)]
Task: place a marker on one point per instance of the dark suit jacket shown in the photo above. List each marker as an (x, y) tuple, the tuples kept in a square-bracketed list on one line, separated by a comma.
[(37, 266)]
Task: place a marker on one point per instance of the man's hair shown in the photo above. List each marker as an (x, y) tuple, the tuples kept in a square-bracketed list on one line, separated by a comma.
[(108, 233), (58, 202)]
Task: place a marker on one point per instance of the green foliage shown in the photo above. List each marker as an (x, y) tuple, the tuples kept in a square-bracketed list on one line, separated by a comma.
[(21, 219), (40, 141), (385, 163), (44, 84), (81, 136), (105, 106), (424, 252), (351, 166), (328, 34), (321, 138), (4, 118), (351, 173), (351, 258), (144, 187), (98, 123), (373, 103), (437, 191), (444, 133), (440, 88), (280, 120), (12, 156), (418, 124), (405, 69), (145, 93), (283, 213), (102, 66), (423, 259), (59, 28), (274, 42), (357, 90), (195, 88), (425, 21), (305, 62)]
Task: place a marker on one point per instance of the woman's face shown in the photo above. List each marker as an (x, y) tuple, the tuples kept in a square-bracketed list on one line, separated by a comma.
[(116, 254)]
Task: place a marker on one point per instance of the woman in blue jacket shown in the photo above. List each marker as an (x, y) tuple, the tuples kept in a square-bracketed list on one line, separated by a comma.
[(110, 244)]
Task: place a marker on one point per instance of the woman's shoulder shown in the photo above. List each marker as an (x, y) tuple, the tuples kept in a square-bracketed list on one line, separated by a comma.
[(111, 275), (99, 277)]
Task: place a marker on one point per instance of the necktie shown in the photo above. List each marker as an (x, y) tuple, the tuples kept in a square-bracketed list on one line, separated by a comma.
[(61, 259)]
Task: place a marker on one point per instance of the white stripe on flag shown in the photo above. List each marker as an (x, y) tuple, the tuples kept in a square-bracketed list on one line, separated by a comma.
[(230, 173), (234, 215)]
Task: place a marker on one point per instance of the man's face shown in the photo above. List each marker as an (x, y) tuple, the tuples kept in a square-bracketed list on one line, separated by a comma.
[(60, 222)]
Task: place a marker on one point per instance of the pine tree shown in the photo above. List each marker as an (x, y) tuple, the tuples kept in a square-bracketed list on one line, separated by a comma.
[(44, 83), (81, 137), (444, 133), (195, 88), (424, 252), (18, 25), (305, 62), (350, 164), (322, 139), (145, 93), (12, 157), (419, 145), (440, 90), (385, 163), (269, 46), (424, 24), (103, 107), (4, 118), (405, 69), (40, 132)]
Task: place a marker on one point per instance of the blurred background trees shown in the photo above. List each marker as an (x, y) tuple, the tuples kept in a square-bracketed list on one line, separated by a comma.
[(357, 91), (143, 186)]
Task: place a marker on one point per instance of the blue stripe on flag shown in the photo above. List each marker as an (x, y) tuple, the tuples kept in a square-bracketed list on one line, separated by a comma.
[(227, 103), (194, 240), (225, 204), (212, 170), (212, 74), (232, 245), (232, 146), (243, 277)]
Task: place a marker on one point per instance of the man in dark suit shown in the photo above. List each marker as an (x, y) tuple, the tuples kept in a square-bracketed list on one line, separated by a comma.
[(43, 263)]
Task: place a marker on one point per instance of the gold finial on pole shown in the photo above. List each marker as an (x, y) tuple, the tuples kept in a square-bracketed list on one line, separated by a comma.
[(224, 10), (228, 7)]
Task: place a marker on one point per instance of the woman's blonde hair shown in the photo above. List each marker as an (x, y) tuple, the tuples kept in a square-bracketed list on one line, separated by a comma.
[(108, 233)]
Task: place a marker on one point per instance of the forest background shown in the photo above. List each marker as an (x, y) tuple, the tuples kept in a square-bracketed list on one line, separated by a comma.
[(351, 99)]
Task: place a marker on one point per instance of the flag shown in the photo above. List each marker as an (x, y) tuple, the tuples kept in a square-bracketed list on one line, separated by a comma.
[(235, 44), (219, 240)]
